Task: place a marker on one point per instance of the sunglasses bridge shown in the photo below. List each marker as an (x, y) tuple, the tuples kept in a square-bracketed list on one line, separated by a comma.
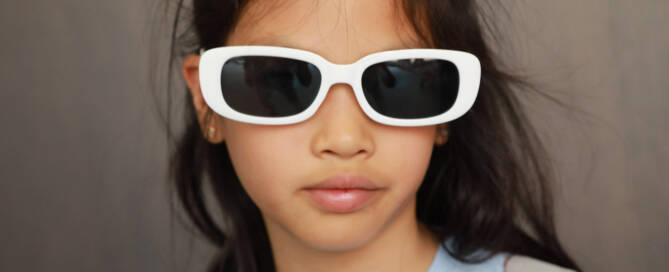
[(339, 73)]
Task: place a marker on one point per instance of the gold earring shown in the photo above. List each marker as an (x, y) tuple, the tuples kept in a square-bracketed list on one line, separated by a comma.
[(442, 137), (211, 132)]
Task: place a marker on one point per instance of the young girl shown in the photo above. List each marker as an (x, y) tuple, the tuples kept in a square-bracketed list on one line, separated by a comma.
[(331, 147)]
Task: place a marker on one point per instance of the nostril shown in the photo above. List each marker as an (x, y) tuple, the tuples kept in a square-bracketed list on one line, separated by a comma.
[(343, 153)]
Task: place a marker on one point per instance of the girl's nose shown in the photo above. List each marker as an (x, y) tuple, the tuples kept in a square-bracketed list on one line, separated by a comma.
[(342, 129)]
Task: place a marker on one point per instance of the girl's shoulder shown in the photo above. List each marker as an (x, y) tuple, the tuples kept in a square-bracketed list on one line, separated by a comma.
[(498, 262), (520, 263)]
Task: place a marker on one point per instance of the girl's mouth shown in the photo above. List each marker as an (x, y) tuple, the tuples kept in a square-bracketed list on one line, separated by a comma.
[(338, 200)]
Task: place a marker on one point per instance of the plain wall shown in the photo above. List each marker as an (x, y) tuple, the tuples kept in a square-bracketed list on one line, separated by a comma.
[(83, 156)]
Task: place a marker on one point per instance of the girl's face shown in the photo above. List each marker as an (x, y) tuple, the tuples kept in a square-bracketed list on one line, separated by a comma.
[(276, 163)]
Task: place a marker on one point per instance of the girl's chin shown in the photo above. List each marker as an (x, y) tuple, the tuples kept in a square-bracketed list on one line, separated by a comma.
[(334, 245), (341, 238)]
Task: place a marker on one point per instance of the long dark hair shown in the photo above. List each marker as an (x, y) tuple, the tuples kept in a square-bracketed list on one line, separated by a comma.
[(488, 188)]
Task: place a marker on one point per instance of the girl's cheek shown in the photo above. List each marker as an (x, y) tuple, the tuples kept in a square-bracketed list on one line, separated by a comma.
[(405, 156), (266, 159), (407, 148)]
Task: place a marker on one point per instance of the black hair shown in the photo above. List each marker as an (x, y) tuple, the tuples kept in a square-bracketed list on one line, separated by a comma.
[(489, 187)]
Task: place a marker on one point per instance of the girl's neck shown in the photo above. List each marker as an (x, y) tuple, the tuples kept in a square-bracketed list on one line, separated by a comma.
[(403, 245)]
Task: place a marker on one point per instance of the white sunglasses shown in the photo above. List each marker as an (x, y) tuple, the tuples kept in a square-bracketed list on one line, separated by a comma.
[(270, 85)]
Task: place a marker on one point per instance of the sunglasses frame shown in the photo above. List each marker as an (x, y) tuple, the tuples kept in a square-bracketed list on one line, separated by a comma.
[(212, 61)]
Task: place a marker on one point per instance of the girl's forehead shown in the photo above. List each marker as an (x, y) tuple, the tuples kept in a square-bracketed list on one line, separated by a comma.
[(342, 31)]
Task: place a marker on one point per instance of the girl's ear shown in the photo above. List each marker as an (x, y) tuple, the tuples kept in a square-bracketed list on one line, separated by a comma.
[(207, 119)]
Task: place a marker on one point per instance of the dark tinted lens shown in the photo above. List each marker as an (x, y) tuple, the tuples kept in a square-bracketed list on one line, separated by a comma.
[(269, 86), (407, 89)]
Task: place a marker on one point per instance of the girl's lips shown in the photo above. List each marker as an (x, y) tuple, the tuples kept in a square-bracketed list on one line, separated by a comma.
[(346, 181), (342, 200)]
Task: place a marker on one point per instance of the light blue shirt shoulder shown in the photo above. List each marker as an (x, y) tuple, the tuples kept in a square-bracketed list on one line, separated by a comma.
[(445, 262)]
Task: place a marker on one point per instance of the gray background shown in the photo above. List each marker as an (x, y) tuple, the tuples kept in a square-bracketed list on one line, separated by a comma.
[(83, 156)]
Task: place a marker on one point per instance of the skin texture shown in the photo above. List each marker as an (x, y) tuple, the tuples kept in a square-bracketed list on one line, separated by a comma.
[(275, 163)]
